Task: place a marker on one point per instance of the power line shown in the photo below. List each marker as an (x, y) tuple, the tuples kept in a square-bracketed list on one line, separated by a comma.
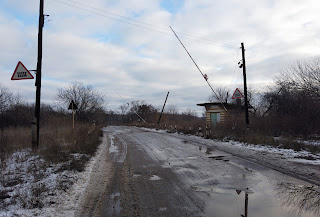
[(204, 76), (110, 17), (140, 24)]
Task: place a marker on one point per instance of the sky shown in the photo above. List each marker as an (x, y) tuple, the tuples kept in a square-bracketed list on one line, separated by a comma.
[(127, 51)]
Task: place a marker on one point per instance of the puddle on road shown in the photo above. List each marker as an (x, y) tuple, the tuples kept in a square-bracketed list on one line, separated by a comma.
[(267, 199), (115, 198), (219, 157), (178, 162), (117, 152), (113, 148)]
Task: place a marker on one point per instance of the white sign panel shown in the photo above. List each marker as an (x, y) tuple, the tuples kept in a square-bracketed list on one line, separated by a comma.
[(21, 72)]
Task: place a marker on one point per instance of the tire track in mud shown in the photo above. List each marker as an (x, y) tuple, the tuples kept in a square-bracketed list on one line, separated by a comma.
[(97, 183), (140, 186), (121, 198), (154, 174), (155, 190)]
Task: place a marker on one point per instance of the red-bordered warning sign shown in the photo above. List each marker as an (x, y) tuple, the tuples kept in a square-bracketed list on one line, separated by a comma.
[(21, 72), (237, 94)]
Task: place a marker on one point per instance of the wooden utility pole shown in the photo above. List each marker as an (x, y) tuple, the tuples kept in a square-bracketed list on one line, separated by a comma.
[(35, 141), (246, 200), (245, 84), (163, 108)]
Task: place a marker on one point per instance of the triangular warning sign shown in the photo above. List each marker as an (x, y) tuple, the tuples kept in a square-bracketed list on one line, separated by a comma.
[(21, 72), (238, 191), (237, 94), (72, 105)]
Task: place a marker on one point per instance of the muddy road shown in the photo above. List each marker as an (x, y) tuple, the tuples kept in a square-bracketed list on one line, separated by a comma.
[(145, 173)]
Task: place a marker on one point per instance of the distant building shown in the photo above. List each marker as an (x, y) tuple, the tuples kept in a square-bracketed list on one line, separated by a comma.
[(215, 112)]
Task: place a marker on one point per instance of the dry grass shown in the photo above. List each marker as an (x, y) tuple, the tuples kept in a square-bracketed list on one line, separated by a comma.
[(257, 136), (58, 141), (12, 139)]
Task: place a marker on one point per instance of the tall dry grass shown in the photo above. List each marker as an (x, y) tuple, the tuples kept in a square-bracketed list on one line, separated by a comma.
[(58, 139), (12, 139)]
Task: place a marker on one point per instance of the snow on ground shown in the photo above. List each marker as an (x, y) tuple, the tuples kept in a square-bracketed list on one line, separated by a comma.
[(302, 156), (29, 186), (290, 154)]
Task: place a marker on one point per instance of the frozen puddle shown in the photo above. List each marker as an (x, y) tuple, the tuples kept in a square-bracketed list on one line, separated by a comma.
[(267, 199), (113, 148), (154, 178)]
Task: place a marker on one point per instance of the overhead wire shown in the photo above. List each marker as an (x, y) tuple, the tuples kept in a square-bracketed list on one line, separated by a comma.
[(205, 77), (235, 68), (129, 105), (109, 17), (140, 24)]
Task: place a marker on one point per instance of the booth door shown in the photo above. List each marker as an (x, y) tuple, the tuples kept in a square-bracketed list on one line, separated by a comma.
[(215, 118)]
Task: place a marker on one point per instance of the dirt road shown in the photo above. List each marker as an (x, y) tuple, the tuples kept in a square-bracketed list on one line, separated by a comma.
[(146, 173)]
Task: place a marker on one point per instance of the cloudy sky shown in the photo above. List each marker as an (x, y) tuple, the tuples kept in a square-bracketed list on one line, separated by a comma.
[(126, 49)]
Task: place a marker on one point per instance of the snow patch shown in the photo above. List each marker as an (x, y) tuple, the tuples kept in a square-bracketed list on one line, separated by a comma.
[(154, 178)]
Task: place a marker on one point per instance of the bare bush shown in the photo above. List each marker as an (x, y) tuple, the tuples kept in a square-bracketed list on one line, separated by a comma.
[(223, 95), (304, 75)]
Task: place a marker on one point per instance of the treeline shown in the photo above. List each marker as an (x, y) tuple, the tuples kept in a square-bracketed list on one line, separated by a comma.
[(291, 107), (14, 112), (58, 136), (143, 114)]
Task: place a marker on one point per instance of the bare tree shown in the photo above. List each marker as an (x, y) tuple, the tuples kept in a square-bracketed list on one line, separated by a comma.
[(303, 76), (85, 97), (222, 95), (171, 109), (124, 108), (143, 110), (5, 98)]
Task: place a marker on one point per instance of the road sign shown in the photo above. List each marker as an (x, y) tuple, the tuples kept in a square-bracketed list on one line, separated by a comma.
[(21, 72), (72, 105), (237, 94)]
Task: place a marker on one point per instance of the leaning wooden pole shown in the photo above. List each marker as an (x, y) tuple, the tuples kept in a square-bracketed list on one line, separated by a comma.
[(163, 108)]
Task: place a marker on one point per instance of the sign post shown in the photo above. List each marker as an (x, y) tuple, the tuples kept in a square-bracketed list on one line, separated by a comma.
[(72, 106)]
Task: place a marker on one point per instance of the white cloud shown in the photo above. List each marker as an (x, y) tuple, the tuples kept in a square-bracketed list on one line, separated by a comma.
[(138, 63)]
